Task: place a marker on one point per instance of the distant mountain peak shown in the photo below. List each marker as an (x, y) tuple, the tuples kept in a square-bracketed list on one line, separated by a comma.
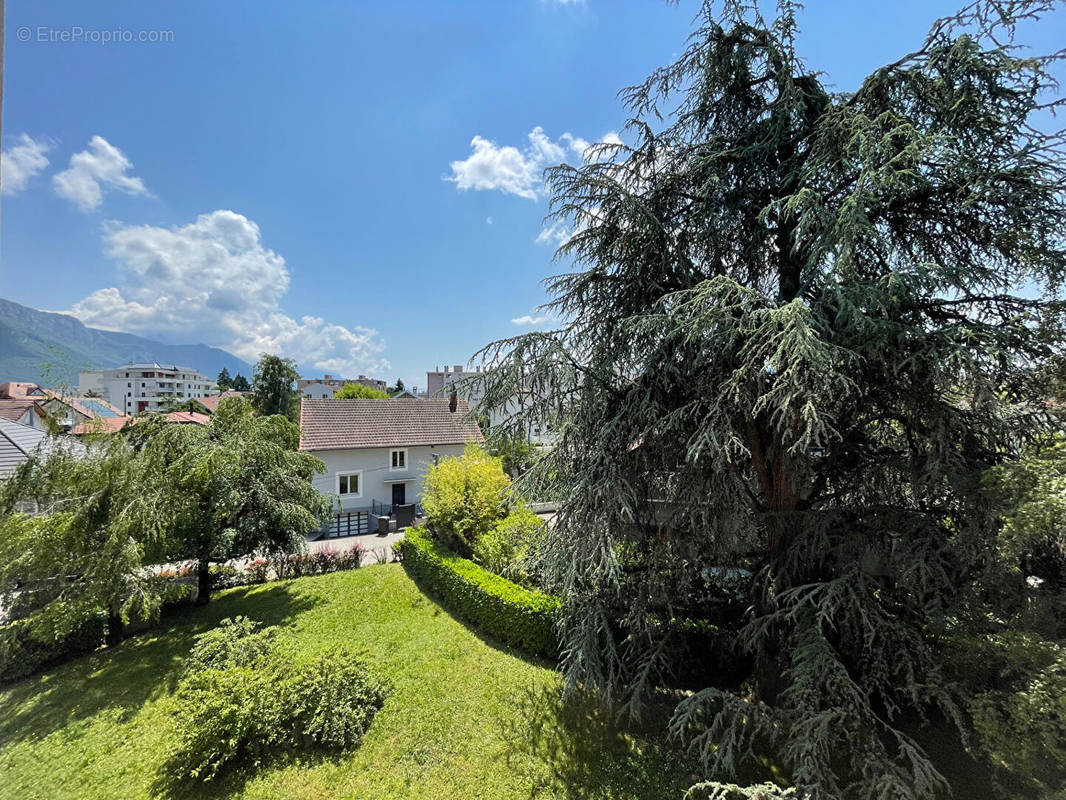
[(51, 348)]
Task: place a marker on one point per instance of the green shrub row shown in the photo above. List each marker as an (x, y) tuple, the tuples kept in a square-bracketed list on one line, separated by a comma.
[(498, 607), (21, 654)]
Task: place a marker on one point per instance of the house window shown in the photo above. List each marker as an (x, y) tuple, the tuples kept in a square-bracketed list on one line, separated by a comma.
[(397, 459), (348, 483)]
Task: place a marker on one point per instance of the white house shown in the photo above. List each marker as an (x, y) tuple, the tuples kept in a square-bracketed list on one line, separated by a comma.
[(317, 391), (377, 452), (327, 385)]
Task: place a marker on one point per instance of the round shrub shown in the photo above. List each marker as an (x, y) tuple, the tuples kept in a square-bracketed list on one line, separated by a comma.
[(507, 548), (464, 497), (241, 703), (237, 642)]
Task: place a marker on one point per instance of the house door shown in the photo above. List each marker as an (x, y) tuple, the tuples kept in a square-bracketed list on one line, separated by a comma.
[(399, 494)]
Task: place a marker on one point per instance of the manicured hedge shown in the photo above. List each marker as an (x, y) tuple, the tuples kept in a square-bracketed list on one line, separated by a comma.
[(22, 655), (498, 607)]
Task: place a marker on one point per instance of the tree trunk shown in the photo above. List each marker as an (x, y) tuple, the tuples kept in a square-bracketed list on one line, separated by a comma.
[(114, 628), (203, 581)]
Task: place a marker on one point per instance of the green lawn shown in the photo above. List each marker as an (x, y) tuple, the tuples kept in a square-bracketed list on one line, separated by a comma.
[(466, 718)]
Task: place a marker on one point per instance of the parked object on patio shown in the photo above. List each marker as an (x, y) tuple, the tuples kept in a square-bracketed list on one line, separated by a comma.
[(404, 515)]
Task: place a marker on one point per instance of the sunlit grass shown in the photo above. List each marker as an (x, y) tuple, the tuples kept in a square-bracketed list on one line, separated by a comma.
[(466, 718)]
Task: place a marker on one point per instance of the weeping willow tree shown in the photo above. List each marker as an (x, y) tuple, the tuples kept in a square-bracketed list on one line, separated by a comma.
[(803, 323)]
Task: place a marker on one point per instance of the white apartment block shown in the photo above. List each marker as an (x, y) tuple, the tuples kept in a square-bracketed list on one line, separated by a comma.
[(135, 388)]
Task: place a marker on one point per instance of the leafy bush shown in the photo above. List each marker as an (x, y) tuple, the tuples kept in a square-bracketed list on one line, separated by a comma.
[(464, 497), (317, 563), (332, 701), (518, 616), (240, 704), (22, 654), (508, 547), (258, 571), (224, 576), (1021, 721), (235, 642)]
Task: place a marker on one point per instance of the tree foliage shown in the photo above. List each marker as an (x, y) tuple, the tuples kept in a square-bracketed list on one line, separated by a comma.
[(359, 391), (241, 384), (72, 538), (464, 497), (232, 488), (224, 380), (803, 324), (274, 383)]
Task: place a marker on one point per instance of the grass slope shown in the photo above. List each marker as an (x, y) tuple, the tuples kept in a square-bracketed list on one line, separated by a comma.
[(466, 718)]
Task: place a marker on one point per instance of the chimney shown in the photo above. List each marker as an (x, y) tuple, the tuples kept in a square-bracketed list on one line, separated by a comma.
[(453, 402)]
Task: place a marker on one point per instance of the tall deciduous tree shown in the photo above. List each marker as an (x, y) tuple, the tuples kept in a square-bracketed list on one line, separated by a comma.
[(232, 488), (274, 384), (805, 325), (73, 537)]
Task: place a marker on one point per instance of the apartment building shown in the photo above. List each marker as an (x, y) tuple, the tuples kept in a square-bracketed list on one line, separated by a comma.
[(135, 388), (440, 383)]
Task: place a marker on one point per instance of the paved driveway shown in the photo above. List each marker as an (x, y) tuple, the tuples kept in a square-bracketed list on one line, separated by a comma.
[(373, 543)]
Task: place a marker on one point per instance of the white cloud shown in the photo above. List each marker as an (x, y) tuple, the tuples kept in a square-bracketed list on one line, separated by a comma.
[(558, 233), (514, 171), (102, 167), (21, 162), (535, 320), (213, 281)]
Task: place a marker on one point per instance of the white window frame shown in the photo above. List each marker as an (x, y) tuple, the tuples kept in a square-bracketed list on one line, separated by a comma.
[(405, 455), (337, 483)]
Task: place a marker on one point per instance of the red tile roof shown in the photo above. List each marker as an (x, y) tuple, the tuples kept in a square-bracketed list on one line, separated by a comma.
[(17, 390), (14, 409), (115, 424), (211, 401), (343, 424)]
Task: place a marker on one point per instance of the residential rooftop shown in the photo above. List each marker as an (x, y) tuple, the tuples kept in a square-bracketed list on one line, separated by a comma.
[(353, 424)]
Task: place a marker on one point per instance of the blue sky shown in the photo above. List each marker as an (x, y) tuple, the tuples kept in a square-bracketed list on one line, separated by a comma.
[(280, 176)]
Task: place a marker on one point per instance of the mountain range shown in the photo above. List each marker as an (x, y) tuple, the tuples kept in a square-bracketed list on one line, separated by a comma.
[(50, 349)]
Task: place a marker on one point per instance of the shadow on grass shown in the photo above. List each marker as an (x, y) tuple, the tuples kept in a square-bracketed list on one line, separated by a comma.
[(231, 780), (141, 669), (578, 747)]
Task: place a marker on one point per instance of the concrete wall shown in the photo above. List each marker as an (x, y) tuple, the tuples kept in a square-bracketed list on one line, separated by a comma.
[(375, 465)]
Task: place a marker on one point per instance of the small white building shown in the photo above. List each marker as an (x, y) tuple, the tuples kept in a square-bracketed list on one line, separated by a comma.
[(135, 388), (377, 452), (327, 385), (317, 391)]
